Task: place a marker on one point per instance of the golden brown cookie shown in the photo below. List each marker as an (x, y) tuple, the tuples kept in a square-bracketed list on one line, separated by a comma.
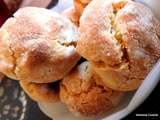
[(80, 5), (37, 45), (71, 14), (121, 39), (44, 92), (81, 94)]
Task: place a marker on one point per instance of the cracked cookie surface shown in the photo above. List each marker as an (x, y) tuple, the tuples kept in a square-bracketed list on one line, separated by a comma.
[(72, 15), (81, 94), (44, 92), (37, 45), (80, 5), (121, 39)]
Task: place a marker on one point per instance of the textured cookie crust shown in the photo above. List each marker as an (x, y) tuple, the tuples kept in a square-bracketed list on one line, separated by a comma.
[(44, 92), (37, 45), (72, 15), (121, 38), (83, 96), (80, 5)]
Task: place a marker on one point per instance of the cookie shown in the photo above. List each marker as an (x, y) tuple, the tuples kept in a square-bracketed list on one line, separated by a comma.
[(37, 45), (121, 40), (82, 96)]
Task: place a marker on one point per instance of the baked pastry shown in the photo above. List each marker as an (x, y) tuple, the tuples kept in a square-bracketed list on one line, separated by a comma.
[(37, 45), (81, 94), (121, 39), (44, 92), (125, 42), (74, 13), (80, 5), (71, 14)]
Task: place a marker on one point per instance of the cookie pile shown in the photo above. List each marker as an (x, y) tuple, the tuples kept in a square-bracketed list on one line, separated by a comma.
[(88, 57)]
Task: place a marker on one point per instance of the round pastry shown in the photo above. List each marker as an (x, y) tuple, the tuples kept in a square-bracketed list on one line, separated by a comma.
[(80, 5), (43, 92), (37, 45), (121, 40), (83, 96), (71, 14)]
